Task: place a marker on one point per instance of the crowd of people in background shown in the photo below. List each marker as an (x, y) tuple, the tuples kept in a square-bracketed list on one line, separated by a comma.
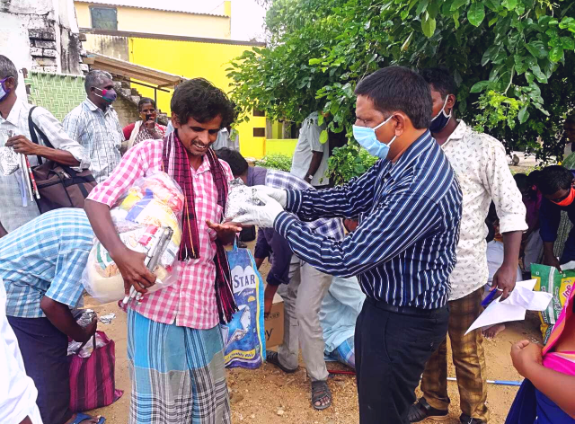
[(374, 274)]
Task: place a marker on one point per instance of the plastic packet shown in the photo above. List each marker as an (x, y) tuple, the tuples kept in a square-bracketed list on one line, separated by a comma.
[(153, 204), (240, 195), (108, 318), (87, 349), (86, 318), (9, 162)]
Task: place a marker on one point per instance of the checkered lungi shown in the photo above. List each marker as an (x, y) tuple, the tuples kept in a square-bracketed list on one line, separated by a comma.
[(468, 358), (178, 374), (345, 352)]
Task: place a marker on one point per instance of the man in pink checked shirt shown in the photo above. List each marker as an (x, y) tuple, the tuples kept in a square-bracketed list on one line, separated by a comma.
[(174, 343)]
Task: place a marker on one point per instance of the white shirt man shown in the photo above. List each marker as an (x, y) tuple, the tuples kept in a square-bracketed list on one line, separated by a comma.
[(17, 207), (17, 391), (311, 156), (480, 163)]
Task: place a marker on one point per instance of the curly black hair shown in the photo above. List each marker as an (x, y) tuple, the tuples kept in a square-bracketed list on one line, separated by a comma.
[(200, 99)]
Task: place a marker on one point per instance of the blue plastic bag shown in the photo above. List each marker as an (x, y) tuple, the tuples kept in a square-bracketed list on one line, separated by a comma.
[(244, 335)]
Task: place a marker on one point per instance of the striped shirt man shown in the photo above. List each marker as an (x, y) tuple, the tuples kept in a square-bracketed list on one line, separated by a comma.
[(100, 133), (404, 248), (45, 257)]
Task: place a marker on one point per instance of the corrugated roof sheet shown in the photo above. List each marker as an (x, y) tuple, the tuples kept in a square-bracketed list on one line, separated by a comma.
[(131, 70), (195, 7)]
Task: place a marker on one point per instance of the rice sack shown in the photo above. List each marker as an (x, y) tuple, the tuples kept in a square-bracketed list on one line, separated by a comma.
[(244, 336)]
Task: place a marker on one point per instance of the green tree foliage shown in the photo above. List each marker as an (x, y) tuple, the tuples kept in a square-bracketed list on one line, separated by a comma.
[(276, 161), (513, 61)]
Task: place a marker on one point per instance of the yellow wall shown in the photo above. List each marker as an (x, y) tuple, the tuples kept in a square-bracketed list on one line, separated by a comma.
[(284, 147), (160, 22), (83, 15), (277, 128), (193, 59)]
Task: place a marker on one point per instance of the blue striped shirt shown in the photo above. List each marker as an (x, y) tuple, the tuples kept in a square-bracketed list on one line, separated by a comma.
[(45, 257), (404, 248)]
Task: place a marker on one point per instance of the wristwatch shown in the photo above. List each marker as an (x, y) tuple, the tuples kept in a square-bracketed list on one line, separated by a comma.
[(310, 177)]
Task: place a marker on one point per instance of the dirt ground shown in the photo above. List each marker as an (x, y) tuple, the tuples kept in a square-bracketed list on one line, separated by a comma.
[(268, 396)]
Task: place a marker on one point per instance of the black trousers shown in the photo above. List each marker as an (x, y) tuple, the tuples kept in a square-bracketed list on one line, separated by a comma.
[(391, 350), (44, 349)]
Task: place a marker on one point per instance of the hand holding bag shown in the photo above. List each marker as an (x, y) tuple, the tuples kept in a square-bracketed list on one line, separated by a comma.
[(59, 185)]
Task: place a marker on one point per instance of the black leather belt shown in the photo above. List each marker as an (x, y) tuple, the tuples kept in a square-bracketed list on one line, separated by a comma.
[(403, 310)]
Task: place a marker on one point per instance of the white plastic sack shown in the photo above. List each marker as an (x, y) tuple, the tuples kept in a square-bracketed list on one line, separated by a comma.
[(153, 202)]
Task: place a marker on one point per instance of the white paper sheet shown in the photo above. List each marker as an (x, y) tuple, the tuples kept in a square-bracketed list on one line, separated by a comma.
[(514, 307)]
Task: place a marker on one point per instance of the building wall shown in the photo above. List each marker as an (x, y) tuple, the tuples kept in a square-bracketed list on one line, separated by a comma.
[(116, 47), (40, 35), (127, 111), (161, 22), (193, 59)]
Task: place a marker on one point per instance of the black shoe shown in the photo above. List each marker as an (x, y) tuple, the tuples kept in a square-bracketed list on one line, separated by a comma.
[(422, 410), (466, 419), (273, 358)]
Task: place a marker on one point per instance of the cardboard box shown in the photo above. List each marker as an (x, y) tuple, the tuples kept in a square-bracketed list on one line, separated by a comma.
[(274, 324)]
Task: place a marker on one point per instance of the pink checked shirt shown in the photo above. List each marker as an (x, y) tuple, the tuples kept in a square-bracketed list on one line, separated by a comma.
[(191, 302)]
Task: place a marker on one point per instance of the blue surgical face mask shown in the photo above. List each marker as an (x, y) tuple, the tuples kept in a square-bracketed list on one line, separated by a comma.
[(440, 121), (367, 139), (3, 90)]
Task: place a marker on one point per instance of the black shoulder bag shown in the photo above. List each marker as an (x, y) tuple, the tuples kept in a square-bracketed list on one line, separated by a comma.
[(59, 185)]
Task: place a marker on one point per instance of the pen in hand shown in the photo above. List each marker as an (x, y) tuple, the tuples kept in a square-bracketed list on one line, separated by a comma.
[(490, 297)]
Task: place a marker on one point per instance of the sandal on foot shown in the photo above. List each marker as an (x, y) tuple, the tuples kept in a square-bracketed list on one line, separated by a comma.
[(320, 391), (422, 410), (274, 358), (83, 417)]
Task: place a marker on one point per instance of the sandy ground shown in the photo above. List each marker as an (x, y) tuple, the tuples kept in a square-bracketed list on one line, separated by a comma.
[(268, 396)]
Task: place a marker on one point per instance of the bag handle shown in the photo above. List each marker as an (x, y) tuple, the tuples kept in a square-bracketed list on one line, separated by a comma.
[(84, 344), (34, 131)]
